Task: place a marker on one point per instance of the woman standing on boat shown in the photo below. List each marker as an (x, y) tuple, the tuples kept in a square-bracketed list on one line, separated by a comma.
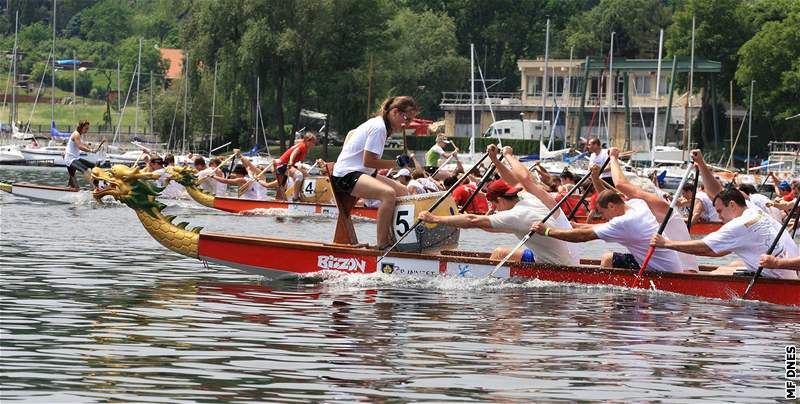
[(355, 170), (72, 154)]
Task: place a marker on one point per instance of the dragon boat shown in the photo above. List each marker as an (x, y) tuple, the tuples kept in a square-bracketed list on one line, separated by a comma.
[(277, 258), (49, 193), (185, 177)]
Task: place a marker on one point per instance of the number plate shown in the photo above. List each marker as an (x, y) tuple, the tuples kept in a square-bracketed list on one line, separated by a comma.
[(310, 188), (403, 220)]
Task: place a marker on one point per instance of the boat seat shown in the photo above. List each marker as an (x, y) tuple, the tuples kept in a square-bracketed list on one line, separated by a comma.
[(345, 233)]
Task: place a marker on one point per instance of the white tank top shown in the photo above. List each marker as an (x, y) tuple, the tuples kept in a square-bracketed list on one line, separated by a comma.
[(71, 153), (676, 230)]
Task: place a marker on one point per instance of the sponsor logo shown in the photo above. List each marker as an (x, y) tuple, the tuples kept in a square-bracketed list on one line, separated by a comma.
[(463, 270), (387, 268), (340, 264)]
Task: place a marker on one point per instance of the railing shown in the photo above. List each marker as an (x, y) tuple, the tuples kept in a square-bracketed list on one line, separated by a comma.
[(497, 98)]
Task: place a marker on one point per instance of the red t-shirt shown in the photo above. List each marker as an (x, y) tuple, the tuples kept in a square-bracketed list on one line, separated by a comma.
[(478, 206), (788, 197), (287, 155)]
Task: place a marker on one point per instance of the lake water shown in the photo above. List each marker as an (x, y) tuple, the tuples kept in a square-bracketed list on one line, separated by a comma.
[(94, 310)]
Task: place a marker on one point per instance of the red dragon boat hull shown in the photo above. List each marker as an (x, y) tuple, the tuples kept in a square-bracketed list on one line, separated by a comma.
[(235, 205), (276, 258)]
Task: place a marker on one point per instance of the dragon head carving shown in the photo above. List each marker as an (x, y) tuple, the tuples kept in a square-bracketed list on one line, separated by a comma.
[(137, 190)]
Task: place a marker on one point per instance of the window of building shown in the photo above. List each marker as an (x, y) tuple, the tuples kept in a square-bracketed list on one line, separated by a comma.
[(534, 86), (642, 85), (466, 117)]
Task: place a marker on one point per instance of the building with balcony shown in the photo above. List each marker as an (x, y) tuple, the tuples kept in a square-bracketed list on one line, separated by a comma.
[(579, 96)]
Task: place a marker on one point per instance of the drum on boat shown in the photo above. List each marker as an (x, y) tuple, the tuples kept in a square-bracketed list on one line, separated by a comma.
[(316, 189), (427, 235)]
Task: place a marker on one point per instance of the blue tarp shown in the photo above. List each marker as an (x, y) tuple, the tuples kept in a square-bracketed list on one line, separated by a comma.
[(69, 62)]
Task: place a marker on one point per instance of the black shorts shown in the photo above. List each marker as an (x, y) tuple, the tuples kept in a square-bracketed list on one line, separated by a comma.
[(624, 261), (280, 174), (346, 183), (79, 164)]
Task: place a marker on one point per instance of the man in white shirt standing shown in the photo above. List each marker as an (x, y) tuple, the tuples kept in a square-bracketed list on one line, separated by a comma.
[(629, 223), (747, 232)]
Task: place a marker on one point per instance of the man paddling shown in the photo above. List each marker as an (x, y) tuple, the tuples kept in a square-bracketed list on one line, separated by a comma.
[(72, 155), (516, 210), (676, 228), (747, 232), (628, 223)]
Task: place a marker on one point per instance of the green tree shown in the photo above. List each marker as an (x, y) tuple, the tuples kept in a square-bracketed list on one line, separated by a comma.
[(772, 58), (107, 20)]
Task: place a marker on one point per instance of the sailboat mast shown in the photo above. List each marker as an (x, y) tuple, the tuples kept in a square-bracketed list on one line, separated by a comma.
[(750, 123), (185, 101), (689, 96), (53, 81), (151, 103), (567, 96), (658, 95), (258, 104), (138, 80), (119, 87), (13, 110), (213, 107), (730, 114), (544, 78), (74, 84), (611, 85), (471, 97)]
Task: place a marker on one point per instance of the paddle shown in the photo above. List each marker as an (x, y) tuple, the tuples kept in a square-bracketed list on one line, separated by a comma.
[(486, 176), (244, 187), (443, 164), (586, 192), (694, 196), (772, 247), (550, 213), (202, 180), (233, 164), (432, 208), (663, 224)]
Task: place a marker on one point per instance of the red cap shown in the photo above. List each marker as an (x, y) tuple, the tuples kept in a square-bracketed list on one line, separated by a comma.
[(499, 188)]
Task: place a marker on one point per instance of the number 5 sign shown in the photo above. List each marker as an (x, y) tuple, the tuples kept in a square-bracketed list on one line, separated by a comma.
[(403, 220)]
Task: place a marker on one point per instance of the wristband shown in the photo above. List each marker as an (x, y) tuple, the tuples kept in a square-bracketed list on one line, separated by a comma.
[(547, 232)]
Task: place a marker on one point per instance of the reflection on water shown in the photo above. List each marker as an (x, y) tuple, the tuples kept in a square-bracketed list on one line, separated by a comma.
[(94, 310)]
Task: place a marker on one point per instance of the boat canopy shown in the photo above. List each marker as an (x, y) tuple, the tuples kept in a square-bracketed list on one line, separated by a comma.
[(55, 134)]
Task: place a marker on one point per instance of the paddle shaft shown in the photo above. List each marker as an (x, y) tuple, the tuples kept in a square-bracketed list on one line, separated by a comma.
[(233, 164), (586, 192), (771, 247), (486, 176), (547, 216), (443, 164), (202, 180), (664, 222), (431, 209), (694, 196)]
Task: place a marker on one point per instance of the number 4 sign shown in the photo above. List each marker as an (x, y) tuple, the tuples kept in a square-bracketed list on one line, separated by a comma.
[(309, 188)]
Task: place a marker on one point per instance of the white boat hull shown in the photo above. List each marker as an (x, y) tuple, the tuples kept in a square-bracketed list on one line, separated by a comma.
[(55, 155), (11, 154), (47, 193)]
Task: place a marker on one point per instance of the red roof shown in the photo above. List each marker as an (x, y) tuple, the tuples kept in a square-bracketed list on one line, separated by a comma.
[(175, 58)]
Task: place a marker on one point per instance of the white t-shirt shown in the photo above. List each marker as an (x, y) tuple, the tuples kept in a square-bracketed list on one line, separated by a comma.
[(750, 235), (761, 201), (429, 184), (599, 160), (676, 230), (256, 190), (209, 184), (709, 212), (634, 230), (173, 190), (71, 152), (417, 187), (518, 220), (369, 136)]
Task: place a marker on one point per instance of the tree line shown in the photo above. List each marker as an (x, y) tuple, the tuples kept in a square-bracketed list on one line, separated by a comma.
[(342, 57)]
